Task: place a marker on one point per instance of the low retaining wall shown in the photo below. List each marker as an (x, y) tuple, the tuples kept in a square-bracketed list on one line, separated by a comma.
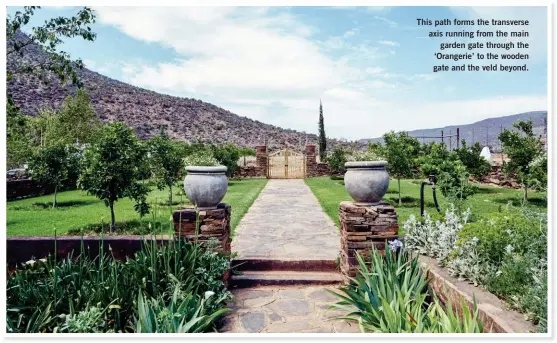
[(21, 249), (492, 310), (16, 189)]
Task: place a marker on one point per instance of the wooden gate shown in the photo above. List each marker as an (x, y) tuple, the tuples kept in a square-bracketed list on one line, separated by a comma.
[(286, 164)]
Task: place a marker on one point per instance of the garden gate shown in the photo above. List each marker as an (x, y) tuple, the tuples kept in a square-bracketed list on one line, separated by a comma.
[(286, 164)]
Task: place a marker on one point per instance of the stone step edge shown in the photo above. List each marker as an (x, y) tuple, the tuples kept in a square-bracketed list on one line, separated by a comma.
[(250, 264), (283, 278)]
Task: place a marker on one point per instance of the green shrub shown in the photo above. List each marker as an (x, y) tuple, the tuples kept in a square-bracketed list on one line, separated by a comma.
[(227, 155), (336, 160), (475, 164)]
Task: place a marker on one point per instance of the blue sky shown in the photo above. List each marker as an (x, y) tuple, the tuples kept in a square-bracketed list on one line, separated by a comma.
[(371, 66)]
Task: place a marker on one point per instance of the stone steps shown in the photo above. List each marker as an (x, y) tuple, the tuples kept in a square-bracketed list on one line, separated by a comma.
[(250, 264), (283, 278)]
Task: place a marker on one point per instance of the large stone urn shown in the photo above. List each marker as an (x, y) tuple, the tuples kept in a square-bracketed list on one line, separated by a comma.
[(366, 181), (205, 186)]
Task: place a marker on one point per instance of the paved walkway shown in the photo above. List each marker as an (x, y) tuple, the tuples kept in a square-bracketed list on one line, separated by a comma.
[(285, 309), (286, 223)]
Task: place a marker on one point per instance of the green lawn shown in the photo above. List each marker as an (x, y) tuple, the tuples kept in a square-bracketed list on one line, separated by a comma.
[(488, 199), (76, 210)]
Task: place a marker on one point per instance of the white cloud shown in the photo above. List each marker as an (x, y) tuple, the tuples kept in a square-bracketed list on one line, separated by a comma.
[(388, 42), (387, 21), (265, 64)]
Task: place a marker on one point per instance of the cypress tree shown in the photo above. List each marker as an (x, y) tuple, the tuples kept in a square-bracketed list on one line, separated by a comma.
[(322, 137)]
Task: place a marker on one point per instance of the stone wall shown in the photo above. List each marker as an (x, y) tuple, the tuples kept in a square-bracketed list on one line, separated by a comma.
[(249, 171), (314, 168), (364, 227), (212, 224)]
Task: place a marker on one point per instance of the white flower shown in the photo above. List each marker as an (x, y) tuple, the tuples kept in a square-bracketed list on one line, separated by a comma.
[(209, 294), (509, 248), (475, 240), (30, 263), (43, 260)]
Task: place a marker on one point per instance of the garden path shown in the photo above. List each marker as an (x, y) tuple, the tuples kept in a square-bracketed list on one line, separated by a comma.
[(286, 222), (285, 309), (287, 250)]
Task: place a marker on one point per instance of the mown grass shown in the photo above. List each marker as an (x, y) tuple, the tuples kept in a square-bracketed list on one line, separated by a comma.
[(330, 192), (76, 211)]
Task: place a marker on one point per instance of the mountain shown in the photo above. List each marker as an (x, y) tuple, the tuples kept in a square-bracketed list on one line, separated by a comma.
[(485, 131), (145, 111)]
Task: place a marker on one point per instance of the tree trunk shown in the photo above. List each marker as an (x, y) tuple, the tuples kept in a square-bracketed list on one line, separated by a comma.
[(525, 192), (54, 201), (399, 197), (170, 196), (112, 218)]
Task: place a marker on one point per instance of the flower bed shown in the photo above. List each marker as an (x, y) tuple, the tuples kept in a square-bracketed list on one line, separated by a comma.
[(168, 287), (506, 254)]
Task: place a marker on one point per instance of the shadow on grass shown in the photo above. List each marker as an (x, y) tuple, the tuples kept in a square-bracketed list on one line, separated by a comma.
[(517, 201), (482, 190), (48, 205), (130, 227)]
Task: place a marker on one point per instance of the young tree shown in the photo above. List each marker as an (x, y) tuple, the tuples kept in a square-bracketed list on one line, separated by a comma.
[(522, 147), (400, 151), (337, 160), (475, 164), (53, 165), (322, 137), (110, 168), (77, 121), (228, 155), (165, 162)]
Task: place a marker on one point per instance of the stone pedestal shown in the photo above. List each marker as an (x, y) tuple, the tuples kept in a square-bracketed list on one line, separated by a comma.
[(364, 227), (212, 224)]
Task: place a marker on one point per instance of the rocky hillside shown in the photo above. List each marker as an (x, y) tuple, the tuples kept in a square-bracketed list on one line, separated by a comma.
[(145, 111)]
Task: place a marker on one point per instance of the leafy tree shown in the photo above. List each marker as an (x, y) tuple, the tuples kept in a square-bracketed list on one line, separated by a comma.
[(228, 155), (400, 151), (322, 137), (110, 168), (48, 36), (522, 147), (53, 165), (58, 63), (475, 164), (77, 121), (452, 176), (165, 162), (337, 159)]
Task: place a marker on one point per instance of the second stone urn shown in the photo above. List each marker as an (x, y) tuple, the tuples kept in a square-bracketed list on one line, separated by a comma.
[(366, 181), (205, 187)]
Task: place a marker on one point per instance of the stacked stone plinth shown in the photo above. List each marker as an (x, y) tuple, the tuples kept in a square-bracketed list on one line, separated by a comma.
[(213, 223), (364, 227)]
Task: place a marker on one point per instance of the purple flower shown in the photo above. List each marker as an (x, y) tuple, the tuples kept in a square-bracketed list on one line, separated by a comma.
[(395, 245)]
